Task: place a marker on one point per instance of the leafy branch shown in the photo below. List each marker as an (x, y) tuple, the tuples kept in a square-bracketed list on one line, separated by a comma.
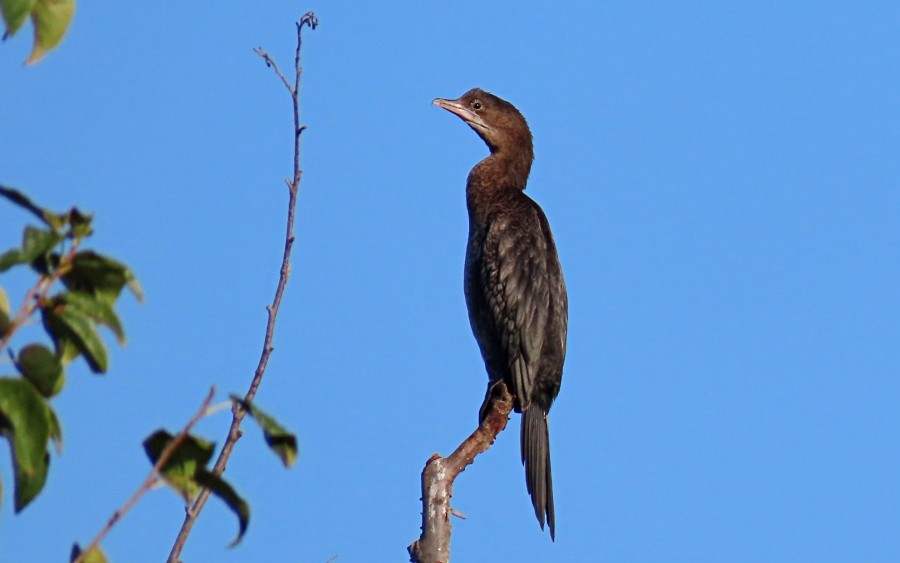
[(92, 549), (243, 407), (91, 284)]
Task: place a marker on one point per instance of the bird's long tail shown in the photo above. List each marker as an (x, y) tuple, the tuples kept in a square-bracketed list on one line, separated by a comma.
[(536, 458)]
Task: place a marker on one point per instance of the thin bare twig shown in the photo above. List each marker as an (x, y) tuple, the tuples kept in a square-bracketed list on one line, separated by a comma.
[(270, 62), (433, 546), (151, 479), (238, 414)]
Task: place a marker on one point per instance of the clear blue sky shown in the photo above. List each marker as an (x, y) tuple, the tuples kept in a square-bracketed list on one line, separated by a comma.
[(724, 185)]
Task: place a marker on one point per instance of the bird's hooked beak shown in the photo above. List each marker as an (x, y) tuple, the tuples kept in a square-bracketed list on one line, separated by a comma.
[(459, 109)]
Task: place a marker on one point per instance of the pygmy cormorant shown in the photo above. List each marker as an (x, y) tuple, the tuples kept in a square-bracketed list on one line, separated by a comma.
[(514, 286)]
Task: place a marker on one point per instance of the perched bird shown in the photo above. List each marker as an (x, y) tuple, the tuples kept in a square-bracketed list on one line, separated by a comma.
[(514, 286)]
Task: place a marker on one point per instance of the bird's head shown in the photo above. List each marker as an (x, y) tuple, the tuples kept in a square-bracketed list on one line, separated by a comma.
[(497, 122)]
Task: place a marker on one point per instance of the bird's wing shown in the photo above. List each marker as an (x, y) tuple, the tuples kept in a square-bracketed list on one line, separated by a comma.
[(518, 293)]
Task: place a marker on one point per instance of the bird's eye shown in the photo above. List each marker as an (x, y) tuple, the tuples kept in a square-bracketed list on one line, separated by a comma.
[(476, 105)]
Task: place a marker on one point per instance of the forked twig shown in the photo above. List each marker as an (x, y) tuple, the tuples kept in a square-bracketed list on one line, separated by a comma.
[(238, 414)]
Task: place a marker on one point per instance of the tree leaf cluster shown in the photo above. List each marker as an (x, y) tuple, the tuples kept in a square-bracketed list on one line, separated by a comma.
[(50, 19), (186, 470), (75, 292)]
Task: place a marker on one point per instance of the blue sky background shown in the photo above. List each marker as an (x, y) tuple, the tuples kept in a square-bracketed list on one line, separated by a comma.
[(724, 187)]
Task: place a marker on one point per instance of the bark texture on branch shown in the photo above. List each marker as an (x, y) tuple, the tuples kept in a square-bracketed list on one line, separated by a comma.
[(433, 546)]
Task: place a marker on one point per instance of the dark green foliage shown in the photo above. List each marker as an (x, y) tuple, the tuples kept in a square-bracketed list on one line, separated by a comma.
[(186, 472), (71, 311), (50, 18), (75, 293), (41, 367), (280, 441), (74, 333), (95, 555), (25, 421), (100, 276)]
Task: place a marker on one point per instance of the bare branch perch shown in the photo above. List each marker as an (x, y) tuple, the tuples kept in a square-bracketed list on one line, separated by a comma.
[(433, 546), (238, 414)]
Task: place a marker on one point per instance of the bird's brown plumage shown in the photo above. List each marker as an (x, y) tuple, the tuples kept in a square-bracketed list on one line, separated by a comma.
[(514, 286)]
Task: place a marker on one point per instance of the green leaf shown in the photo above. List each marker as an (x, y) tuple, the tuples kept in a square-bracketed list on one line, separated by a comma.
[(66, 349), (55, 430), (36, 247), (24, 421), (22, 408), (95, 555), (14, 14), (80, 222), (224, 491), (4, 312), (69, 327), (4, 302), (101, 276), (51, 20), (97, 310), (37, 243), (5, 323), (41, 367), (10, 258), (30, 485), (280, 441), (21, 200), (186, 472), (180, 470)]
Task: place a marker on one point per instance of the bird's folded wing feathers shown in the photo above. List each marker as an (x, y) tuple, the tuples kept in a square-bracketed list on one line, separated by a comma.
[(518, 296)]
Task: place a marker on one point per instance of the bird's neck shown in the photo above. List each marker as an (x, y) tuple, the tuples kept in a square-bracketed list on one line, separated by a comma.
[(493, 181), (501, 171)]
